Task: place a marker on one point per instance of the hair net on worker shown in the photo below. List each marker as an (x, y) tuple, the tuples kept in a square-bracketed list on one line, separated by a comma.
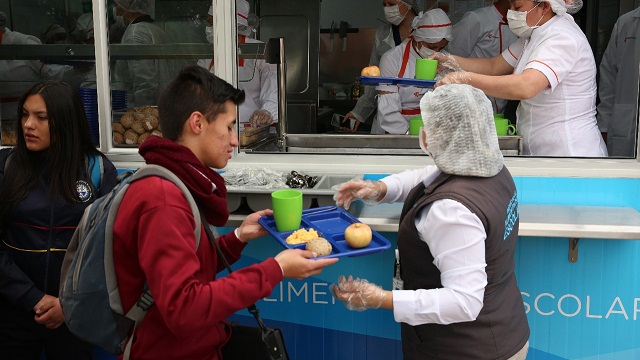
[(459, 131), (559, 7), (573, 6), (146, 7), (84, 27), (247, 22), (432, 26), (414, 5), (54, 33), (3, 20)]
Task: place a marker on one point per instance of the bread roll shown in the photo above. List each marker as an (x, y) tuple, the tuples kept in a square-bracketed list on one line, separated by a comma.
[(320, 246), (138, 126), (118, 138), (150, 122), (127, 120), (130, 137), (143, 137), (117, 127)]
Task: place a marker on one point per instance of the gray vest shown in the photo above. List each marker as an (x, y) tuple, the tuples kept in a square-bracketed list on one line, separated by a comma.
[(501, 328)]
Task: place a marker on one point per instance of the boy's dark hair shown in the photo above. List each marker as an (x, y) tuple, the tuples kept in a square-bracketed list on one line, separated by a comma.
[(70, 142), (195, 89)]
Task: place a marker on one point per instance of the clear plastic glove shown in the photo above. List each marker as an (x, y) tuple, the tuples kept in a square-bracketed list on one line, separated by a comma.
[(370, 192), (261, 118), (358, 294), (456, 77), (446, 62)]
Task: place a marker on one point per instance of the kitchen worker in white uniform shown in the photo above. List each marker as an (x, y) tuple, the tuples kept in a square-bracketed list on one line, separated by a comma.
[(256, 77), (143, 79), (551, 70), (484, 33), (398, 104), (83, 33), (16, 76), (617, 111), (400, 15)]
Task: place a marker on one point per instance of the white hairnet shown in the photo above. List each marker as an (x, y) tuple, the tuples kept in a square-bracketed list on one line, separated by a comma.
[(84, 26), (460, 132), (53, 33), (146, 7), (559, 7), (573, 6), (414, 5), (432, 26)]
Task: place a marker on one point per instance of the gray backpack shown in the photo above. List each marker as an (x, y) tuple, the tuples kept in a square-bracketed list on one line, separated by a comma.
[(89, 293)]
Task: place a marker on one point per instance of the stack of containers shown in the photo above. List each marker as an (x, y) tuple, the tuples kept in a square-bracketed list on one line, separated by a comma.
[(89, 97)]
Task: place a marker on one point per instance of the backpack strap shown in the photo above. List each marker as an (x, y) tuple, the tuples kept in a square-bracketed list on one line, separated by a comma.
[(94, 168), (144, 303)]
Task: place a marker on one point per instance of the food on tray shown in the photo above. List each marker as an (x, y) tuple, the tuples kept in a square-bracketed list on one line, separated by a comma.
[(118, 138), (302, 236), (358, 235), (127, 120), (130, 137), (143, 137), (370, 71), (319, 246), (136, 125)]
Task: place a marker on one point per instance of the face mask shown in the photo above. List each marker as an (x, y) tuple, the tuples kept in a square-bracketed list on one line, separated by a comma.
[(118, 18), (392, 14), (208, 31), (425, 52), (518, 22)]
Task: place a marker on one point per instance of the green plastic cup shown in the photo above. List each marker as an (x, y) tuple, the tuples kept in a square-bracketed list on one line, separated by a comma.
[(415, 123), (503, 128), (426, 69), (287, 209)]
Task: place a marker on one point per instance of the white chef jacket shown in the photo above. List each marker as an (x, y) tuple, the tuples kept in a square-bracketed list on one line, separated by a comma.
[(617, 111), (19, 75), (259, 81), (395, 110), (482, 33), (456, 240), (560, 120), (367, 103), (144, 79)]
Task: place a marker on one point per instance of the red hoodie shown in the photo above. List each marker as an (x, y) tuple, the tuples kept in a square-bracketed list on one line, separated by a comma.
[(154, 241)]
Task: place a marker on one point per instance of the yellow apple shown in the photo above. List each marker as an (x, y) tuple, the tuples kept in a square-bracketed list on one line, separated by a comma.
[(370, 71), (358, 235)]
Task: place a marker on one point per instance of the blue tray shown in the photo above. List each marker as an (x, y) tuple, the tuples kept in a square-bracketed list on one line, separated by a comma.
[(383, 80), (330, 222)]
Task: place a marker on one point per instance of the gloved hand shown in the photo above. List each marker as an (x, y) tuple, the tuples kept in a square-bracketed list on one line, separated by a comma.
[(370, 192), (358, 294), (446, 62), (455, 77), (261, 118)]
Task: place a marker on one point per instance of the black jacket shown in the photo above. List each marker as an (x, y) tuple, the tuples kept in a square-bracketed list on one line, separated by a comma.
[(34, 237)]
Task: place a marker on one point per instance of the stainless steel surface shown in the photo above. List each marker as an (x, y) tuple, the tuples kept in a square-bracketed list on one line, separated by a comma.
[(370, 144), (282, 96), (299, 24)]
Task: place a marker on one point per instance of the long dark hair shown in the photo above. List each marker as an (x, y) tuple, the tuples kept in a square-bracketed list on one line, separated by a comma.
[(70, 143)]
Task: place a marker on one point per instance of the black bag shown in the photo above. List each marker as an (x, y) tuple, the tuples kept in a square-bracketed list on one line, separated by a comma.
[(250, 342)]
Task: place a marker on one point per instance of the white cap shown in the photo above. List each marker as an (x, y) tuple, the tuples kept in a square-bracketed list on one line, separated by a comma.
[(460, 132), (432, 26), (242, 16), (84, 25), (559, 7), (146, 7)]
